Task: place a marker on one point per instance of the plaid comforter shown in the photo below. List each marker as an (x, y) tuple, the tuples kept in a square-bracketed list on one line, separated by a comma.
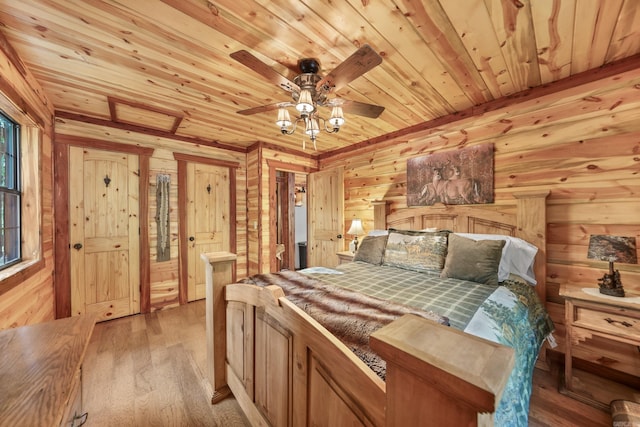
[(425, 291)]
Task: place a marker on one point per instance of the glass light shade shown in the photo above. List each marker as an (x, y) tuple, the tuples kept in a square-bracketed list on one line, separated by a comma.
[(356, 228), (312, 128), (305, 103), (337, 118), (284, 119)]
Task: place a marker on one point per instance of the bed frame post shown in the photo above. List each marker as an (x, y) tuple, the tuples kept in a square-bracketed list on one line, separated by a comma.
[(220, 271), (531, 220), (437, 375)]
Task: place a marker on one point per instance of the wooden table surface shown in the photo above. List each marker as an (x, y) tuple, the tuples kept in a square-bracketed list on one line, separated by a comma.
[(37, 368)]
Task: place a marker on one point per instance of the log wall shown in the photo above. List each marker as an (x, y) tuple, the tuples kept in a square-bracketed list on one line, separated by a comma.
[(164, 274), (584, 149), (261, 160), (32, 300)]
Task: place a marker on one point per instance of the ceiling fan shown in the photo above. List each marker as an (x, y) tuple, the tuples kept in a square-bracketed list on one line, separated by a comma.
[(309, 90)]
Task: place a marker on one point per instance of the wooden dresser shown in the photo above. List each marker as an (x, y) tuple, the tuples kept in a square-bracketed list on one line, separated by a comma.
[(589, 314), (41, 371)]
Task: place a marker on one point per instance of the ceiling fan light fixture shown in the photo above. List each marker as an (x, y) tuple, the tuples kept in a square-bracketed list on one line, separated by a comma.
[(305, 102), (337, 117), (284, 119), (310, 91)]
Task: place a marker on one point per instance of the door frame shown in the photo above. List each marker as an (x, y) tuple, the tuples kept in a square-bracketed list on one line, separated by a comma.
[(285, 190), (275, 166), (62, 243), (183, 258)]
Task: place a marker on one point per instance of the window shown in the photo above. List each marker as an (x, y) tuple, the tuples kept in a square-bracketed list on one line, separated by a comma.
[(21, 196), (10, 197)]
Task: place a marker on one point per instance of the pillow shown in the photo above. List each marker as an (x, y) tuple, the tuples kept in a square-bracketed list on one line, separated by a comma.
[(416, 250), (378, 233), (473, 260), (518, 256), (371, 249)]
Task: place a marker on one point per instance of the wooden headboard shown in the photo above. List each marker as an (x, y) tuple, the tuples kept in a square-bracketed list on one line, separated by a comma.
[(525, 218)]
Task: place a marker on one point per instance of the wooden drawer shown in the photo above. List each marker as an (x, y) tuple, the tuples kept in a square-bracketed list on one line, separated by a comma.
[(615, 321)]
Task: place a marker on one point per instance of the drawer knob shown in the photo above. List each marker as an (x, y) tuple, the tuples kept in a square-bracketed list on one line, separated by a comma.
[(623, 322)]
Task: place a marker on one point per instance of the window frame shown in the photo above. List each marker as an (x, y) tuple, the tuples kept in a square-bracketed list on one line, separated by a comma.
[(30, 140), (13, 185)]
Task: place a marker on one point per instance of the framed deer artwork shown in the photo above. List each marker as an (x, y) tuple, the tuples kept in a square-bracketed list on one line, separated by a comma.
[(455, 177)]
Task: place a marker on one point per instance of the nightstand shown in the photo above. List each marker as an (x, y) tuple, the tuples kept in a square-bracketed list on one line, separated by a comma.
[(345, 256), (587, 314)]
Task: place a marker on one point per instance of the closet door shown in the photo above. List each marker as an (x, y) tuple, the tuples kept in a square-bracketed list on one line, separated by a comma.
[(208, 220), (104, 232), (326, 211)]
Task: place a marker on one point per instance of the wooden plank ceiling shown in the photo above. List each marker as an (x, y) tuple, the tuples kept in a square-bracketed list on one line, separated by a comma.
[(165, 65)]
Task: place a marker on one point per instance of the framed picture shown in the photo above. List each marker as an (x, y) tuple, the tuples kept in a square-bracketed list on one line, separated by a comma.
[(455, 177)]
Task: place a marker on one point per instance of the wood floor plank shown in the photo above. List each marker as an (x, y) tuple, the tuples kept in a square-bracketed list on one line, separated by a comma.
[(149, 370)]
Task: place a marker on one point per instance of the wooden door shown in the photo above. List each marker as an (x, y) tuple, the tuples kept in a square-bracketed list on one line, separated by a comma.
[(326, 210), (208, 220), (104, 232)]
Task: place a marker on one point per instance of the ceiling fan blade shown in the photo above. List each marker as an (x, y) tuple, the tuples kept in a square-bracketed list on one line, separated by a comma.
[(362, 60), (250, 61), (362, 109), (261, 109)]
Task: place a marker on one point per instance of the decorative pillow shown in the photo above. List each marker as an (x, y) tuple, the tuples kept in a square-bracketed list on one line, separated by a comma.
[(416, 250), (518, 256), (371, 249), (473, 260)]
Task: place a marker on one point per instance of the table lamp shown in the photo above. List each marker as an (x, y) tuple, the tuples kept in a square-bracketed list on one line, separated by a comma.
[(612, 249), (355, 230)]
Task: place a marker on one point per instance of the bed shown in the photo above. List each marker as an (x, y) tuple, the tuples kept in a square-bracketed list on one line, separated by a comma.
[(427, 364)]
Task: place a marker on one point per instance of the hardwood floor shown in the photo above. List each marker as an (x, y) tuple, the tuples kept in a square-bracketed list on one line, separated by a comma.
[(149, 370)]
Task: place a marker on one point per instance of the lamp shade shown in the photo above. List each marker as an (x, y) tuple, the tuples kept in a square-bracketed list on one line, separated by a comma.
[(312, 128), (305, 103), (356, 228), (612, 249), (337, 117), (284, 119)]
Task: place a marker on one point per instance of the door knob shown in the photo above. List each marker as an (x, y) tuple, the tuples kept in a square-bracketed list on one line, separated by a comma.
[(191, 239), (77, 246), (339, 236)]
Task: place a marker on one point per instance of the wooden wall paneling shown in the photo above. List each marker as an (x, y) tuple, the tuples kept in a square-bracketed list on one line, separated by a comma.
[(582, 150), (28, 297), (494, 118), (254, 211), (554, 51), (596, 25), (164, 277), (62, 259)]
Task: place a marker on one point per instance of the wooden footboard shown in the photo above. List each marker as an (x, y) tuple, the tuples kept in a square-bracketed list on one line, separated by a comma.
[(286, 369)]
